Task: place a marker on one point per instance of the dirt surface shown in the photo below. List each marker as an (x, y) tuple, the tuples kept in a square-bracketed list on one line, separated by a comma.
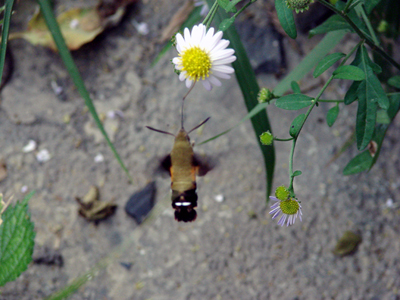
[(233, 250)]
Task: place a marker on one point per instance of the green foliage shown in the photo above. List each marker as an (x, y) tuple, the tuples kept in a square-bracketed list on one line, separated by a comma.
[(359, 163), (327, 62), (349, 73), (295, 87), (394, 81), (16, 241), (332, 115), (296, 125), (332, 24), (4, 34), (285, 16), (229, 6), (296, 173), (294, 101)]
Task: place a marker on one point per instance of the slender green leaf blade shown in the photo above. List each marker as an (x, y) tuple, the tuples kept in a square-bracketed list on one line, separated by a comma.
[(229, 6), (362, 162), (327, 62), (394, 81), (285, 16), (225, 24), (16, 241), (4, 34), (293, 101), (75, 75), (334, 23), (332, 115), (323, 48), (366, 117), (349, 72), (370, 4), (296, 125), (249, 87)]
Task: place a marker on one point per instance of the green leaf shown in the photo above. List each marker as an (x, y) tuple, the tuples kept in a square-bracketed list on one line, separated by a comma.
[(382, 117), (295, 87), (75, 75), (349, 72), (293, 101), (296, 125), (394, 81), (351, 94), (296, 173), (327, 62), (366, 117), (229, 6), (225, 24), (16, 241), (325, 46), (249, 87), (360, 163), (335, 22), (285, 16), (332, 115), (370, 4), (4, 34)]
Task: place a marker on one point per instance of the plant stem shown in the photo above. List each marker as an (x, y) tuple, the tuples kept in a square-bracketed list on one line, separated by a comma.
[(292, 194), (323, 100), (210, 16), (361, 34), (283, 140), (4, 34), (361, 10)]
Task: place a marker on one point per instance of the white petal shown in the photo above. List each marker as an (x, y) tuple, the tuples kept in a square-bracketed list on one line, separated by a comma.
[(222, 54), (188, 83), (207, 85), (221, 45), (180, 43), (224, 69), (177, 60), (214, 80), (214, 41), (224, 61), (186, 35), (182, 76)]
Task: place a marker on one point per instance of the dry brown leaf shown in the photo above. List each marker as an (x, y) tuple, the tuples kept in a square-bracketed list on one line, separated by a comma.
[(176, 22)]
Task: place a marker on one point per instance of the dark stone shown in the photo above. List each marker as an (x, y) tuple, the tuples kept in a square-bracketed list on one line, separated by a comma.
[(141, 203)]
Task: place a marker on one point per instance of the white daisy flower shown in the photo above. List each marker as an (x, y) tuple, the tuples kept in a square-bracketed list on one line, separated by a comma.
[(203, 56), (290, 209)]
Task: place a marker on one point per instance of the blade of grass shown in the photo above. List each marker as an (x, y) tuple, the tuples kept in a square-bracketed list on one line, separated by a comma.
[(249, 87), (73, 71), (330, 40), (4, 34)]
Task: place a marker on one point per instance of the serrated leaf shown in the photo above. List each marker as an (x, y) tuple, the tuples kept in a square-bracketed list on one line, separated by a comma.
[(295, 87), (335, 22), (332, 115), (349, 72), (16, 241), (394, 81), (360, 163), (285, 16), (366, 117), (225, 24), (294, 101), (297, 173), (296, 125), (351, 94), (327, 62)]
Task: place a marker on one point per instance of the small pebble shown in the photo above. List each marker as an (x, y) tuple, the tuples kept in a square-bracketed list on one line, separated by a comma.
[(219, 198), (142, 27), (43, 155), (24, 189), (389, 203), (99, 158), (31, 146)]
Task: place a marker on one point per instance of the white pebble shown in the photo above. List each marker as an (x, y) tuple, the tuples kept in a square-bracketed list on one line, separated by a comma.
[(219, 198), (24, 189), (99, 158), (31, 146), (389, 202), (56, 88), (43, 155), (74, 23), (142, 27)]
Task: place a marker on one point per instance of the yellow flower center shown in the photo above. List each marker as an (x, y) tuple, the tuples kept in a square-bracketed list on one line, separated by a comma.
[(289, 206), (196, 63)]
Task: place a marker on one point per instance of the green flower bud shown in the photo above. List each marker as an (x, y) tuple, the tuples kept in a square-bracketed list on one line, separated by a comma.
[(265, 95), (266, 138), (282, 193), (383, 26), (299, 5)]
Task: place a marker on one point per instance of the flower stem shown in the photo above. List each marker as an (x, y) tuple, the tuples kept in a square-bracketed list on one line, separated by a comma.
[(210, 16), (283, 140)]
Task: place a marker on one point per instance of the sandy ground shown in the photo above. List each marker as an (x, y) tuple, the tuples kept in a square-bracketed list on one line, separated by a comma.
[(225, 253)]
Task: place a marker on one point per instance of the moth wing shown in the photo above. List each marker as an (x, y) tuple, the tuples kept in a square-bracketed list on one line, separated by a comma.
[(202, 165)]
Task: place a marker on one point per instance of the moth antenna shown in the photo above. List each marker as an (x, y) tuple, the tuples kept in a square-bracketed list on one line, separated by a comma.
[(160, 131), (183, 101), (199, 125)]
